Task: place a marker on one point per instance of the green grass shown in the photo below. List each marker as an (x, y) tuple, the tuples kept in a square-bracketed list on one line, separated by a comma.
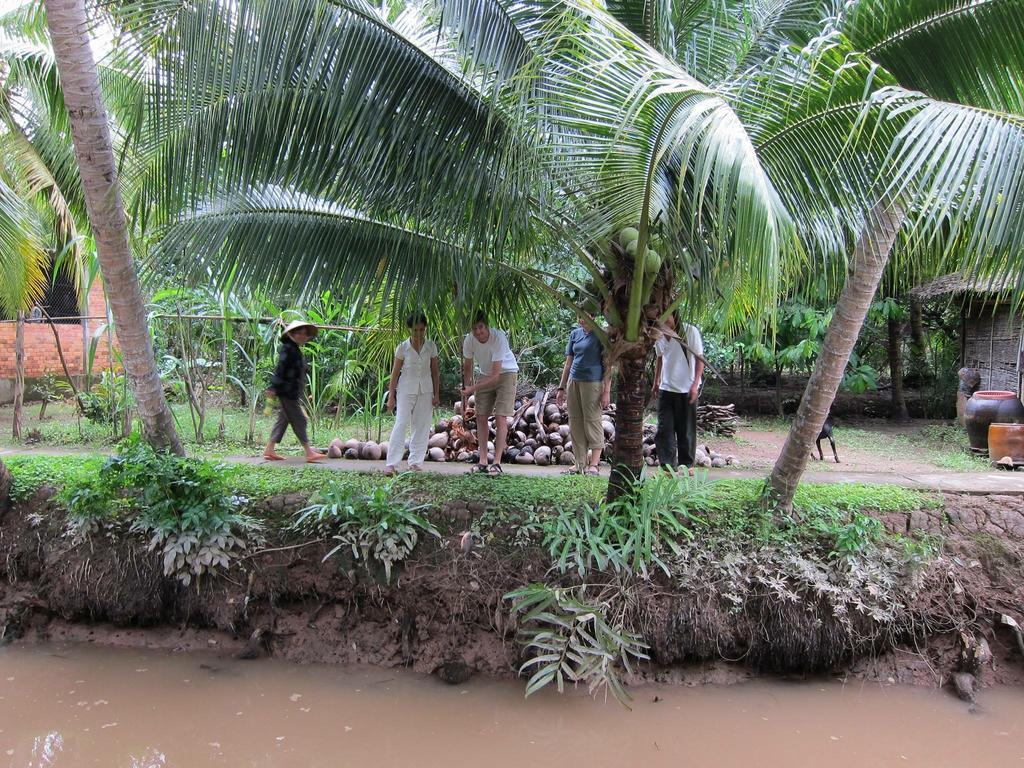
[(511, 493), (30, 473)]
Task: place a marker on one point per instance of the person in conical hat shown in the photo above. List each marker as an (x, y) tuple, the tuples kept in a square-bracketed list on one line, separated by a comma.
[(287, 385)]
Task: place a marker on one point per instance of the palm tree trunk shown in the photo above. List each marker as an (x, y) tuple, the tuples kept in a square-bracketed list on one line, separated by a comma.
[(91, 135), (628, 446), (6, 481), (19, 374), (899, 404), (918, 343), (869, 259)]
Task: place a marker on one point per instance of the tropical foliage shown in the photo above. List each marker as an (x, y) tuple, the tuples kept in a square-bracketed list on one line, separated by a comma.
[(456, 153)]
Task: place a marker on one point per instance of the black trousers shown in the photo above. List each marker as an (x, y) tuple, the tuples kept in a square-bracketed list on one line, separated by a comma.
[(676, 438), (289, 413)]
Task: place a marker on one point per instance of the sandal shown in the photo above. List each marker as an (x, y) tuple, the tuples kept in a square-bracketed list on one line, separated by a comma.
[(592, 471), (273, 457), (494, 470), (572, 471), (477, 469)]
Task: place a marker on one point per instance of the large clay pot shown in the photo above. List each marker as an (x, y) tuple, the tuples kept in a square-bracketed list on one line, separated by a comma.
[(987, 407), (1006, 440)]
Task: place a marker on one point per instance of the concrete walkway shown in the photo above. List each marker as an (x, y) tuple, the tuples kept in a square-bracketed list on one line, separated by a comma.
[(974, 483)]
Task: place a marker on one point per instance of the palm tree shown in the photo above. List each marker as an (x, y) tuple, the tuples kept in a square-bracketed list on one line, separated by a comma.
[(331, 145), (99, 179), (955, 168), (399, 153)]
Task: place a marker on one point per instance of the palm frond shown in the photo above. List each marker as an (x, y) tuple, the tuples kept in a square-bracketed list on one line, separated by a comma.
[(327, 99), (23, 261), (967, 51), (653, 21), (623, 125), (963, 170), (727, 37), (303, 246), (818, 120)]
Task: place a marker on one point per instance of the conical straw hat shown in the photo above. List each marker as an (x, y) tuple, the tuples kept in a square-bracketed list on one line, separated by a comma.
[(296, 324)]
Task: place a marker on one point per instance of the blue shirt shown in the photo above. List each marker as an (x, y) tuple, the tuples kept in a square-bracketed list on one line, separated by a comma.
[(587, 360)]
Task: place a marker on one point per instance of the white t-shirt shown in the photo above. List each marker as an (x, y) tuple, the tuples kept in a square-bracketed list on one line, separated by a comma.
[(495, 349), (415, 377), (679, 369)]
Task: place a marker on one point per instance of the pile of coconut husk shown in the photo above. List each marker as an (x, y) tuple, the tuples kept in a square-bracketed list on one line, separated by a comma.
[(538, 434)]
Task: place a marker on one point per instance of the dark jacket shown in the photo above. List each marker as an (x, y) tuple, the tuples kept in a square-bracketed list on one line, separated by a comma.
[(289, 379)]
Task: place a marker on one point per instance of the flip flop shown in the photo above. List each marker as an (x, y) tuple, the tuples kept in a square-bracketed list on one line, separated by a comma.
[(477, 469), (314, 459), (273, 457), (592, 471), (572, 471), (494, 470)]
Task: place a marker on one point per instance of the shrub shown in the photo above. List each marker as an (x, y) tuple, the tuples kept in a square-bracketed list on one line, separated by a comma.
[(631, 533), (182, 505), (372, 524), (573, 639)]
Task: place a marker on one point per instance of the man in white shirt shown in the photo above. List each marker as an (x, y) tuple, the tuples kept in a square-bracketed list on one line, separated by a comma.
[(495, 387), (677, 377)]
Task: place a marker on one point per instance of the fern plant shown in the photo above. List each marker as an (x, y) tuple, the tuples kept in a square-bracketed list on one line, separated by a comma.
[(374, 526), (573, 641)]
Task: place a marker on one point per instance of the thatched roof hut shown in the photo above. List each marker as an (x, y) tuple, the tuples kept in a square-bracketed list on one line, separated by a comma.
[(991, 326)]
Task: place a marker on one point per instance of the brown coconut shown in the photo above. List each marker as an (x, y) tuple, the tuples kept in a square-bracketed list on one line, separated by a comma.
[(336, 449), (369, 452), (436, 454)]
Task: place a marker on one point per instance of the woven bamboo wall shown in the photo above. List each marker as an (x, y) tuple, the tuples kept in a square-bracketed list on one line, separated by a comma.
[(992, 344)]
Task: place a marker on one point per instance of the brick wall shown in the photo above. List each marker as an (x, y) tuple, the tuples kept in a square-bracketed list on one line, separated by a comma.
[(41, 350)]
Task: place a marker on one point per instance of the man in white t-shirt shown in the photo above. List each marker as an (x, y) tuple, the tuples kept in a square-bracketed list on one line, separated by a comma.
[(495, 387), (677, 377)]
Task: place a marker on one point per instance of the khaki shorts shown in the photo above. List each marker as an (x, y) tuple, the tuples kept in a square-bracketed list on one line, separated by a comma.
[(499, 399)]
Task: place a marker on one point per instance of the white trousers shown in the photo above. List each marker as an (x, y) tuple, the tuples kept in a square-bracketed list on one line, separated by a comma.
[(416, 411)]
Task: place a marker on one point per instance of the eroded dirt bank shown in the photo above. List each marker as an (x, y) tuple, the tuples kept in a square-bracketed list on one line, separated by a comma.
[(724, 616)]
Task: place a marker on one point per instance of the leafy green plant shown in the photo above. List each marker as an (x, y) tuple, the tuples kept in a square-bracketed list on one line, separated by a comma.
[(183, 505), (51, 389), (631, 533), (573, 640), (107, 401), (857, 535), (373, 524)]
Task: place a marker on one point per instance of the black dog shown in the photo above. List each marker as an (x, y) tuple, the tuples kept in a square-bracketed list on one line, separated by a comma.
[(790, 407), (826, 431)]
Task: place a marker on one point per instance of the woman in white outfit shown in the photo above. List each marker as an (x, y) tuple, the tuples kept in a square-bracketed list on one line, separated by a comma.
[(415, 391)]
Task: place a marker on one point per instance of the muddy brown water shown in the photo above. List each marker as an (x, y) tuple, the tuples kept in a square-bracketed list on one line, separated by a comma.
[(86, 706)]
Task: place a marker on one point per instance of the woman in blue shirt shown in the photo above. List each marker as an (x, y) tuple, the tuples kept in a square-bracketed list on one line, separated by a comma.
[(588, 391)]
